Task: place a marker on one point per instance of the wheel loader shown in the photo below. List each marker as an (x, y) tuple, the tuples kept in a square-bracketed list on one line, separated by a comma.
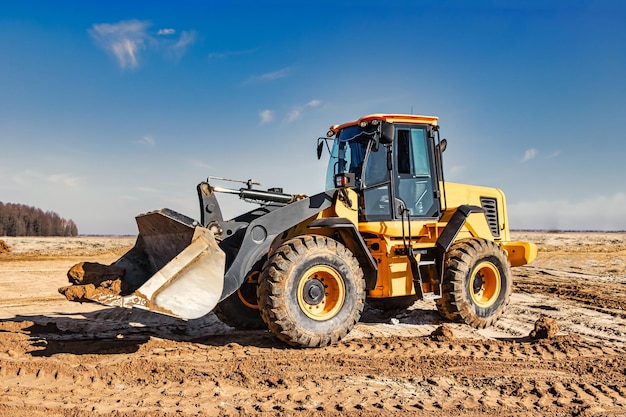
[(388, 230)]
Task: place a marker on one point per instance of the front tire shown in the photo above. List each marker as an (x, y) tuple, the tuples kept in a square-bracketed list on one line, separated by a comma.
[(477, 283), (312, 291)]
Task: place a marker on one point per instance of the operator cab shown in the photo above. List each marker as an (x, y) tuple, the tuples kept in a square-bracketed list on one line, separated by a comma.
[(392, 158)]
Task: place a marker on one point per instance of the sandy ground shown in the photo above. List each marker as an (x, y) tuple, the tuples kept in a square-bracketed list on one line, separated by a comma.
[(59, 358)]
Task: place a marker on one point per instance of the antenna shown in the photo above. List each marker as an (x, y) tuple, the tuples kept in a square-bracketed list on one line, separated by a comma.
[(411, 109)]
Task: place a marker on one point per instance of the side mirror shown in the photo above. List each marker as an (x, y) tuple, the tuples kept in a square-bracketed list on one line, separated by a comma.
[(387, 132), (441, 146), (320, 148)]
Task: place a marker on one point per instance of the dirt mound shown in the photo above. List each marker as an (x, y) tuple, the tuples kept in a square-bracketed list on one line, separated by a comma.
[(4, 247), (443, 332), (93, 280), (545, 328), (90, 292)]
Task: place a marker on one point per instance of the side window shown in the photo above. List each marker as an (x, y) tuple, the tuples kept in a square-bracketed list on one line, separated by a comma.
[(377, 203), (413, 152), (404, 151), (421, 165), (377, 190), (414, 185), (376, 167)]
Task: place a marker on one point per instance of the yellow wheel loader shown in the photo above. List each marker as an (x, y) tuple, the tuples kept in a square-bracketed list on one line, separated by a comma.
[(388, 230)]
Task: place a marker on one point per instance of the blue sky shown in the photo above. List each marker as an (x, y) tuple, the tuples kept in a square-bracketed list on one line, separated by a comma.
[(111, 109)]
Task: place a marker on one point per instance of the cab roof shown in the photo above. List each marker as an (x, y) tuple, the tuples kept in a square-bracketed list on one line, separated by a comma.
[(390, 118)]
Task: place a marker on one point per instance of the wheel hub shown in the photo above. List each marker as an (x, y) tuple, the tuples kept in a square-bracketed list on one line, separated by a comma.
[(313, 292), (485, 285), (321, 292)]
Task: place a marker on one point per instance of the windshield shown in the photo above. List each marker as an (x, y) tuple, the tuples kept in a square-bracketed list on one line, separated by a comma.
[(348, 153)]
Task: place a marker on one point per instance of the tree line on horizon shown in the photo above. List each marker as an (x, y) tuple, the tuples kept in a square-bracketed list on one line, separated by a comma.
[(23, 220)]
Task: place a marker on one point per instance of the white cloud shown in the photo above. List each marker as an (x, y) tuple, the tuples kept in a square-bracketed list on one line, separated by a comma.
[(124, 40), (221, 55), (554, 154), (266, 116), (296, 112), (179, 49), (128, 39), (147, 190), (29, 178), (529, 154), (200, 164), (269, 76), (66, 180), (26, 178), (147, 140), (596, 213)]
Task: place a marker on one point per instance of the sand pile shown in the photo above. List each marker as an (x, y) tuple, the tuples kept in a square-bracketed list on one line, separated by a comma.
[(443, 332)]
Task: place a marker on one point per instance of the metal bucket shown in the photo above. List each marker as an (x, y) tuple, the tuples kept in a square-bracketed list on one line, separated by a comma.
[(176, 267)]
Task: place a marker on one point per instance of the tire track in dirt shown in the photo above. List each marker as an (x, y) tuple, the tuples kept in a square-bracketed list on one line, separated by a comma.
[(566, 375), (576, 287), (133, 363)]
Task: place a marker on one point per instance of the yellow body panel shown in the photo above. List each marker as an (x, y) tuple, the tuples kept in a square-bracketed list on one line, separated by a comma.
[(520, 253), (394, 274), (459, 194)]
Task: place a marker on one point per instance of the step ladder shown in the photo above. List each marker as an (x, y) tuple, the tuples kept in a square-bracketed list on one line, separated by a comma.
[(425, 270)]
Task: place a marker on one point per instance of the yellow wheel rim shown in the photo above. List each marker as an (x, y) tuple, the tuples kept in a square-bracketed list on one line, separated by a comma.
[(485, 284), (247, 292), (321, 293)]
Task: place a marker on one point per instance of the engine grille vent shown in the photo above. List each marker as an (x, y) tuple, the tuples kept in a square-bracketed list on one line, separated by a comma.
[(491, 213)]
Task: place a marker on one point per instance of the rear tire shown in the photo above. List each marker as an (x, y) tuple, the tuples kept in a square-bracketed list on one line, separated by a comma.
[(477, 283), (241, 309), (312, 291)]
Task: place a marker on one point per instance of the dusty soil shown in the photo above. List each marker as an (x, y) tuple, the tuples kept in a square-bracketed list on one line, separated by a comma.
[(59, 358)]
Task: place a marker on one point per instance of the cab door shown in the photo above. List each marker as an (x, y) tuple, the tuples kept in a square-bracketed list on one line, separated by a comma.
[(376, 185), (414, 182)]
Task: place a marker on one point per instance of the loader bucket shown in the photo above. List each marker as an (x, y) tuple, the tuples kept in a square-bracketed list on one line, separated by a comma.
[(175, 268)]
